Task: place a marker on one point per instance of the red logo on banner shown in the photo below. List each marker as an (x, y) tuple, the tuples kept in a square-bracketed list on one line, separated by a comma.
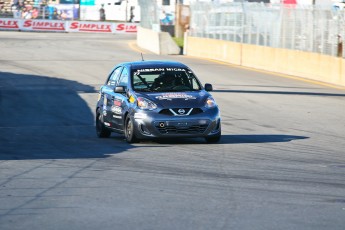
[(44, 25), (9, 24), (126, 28), (91, 27)]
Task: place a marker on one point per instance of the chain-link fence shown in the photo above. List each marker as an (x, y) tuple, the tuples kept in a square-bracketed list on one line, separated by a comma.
[(311, 29), (149, 14)]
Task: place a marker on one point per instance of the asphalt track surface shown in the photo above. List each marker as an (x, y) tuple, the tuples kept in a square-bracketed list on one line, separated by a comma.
[(280, 163)]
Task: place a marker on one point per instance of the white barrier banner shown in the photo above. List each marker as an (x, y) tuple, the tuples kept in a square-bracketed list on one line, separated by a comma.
[(82, 26), (10, 24), (125, 28), (44, 25), (66, 26)]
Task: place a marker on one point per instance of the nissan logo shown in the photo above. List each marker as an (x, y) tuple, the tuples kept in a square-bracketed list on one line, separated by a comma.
[(181, 111)]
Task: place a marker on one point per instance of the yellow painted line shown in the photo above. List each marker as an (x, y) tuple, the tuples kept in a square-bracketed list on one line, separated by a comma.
[(271, 73), (133, 46)]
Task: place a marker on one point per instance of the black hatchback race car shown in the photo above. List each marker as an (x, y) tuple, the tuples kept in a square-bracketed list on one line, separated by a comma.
[(156, 99)]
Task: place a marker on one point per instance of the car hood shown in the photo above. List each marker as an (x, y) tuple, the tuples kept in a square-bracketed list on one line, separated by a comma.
[(178, 99)]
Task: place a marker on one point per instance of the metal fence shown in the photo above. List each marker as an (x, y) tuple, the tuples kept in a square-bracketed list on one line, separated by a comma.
[(311, 29), (149, 14)]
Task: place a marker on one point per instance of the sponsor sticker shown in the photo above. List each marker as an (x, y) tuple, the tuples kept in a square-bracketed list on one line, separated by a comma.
[(175, 69), (116, 109), (151, 70), (117, 103), (170, 96), (131, 99), (159, 70)]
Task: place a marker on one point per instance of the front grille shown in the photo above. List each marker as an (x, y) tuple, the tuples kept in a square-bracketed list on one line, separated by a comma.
[(166, 112), (175, 111), (194, 129), (196, 111)]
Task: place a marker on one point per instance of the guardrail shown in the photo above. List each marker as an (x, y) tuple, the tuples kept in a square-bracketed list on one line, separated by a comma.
[(66, 26)]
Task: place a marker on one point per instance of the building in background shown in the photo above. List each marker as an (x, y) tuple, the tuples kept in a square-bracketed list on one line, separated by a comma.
[(114, 10)]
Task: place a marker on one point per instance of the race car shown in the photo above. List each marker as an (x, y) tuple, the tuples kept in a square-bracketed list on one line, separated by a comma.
[(156, 99)]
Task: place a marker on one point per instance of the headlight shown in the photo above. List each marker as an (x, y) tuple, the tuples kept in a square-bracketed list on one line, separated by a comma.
[(146, 104), (210, 103)]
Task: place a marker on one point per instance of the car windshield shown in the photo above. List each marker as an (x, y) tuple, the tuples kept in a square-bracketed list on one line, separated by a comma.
[(164, 80)]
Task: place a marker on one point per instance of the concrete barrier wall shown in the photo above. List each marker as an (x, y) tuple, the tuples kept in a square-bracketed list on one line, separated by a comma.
[(312, 66), (156, 42), (213, 49), (148, 39)]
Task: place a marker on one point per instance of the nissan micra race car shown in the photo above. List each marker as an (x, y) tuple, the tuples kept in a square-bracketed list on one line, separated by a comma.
[(156, 99)]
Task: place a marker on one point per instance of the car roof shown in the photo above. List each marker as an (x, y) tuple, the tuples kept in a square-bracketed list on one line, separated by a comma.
[(155, 64)]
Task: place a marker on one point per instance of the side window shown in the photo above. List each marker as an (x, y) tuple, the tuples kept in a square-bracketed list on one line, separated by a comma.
[(124, 78), (194, 84), (113, 78)]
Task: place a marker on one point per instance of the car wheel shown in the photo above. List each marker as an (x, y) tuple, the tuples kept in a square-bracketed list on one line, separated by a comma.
[(101, 130), (213, 138), (129, 131)]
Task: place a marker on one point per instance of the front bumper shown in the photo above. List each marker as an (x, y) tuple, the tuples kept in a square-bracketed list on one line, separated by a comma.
[(151, 124)]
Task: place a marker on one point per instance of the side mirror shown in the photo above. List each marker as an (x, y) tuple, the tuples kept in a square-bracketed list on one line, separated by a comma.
[(208, 87), (119, 89)]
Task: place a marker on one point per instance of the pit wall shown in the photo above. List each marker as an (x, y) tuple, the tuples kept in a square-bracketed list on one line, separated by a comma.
[(322, 68), (156, 42)]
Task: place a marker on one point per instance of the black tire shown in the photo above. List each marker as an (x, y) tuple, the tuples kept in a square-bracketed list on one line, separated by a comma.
[(214, 138), (101, 130), (129, 131)]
